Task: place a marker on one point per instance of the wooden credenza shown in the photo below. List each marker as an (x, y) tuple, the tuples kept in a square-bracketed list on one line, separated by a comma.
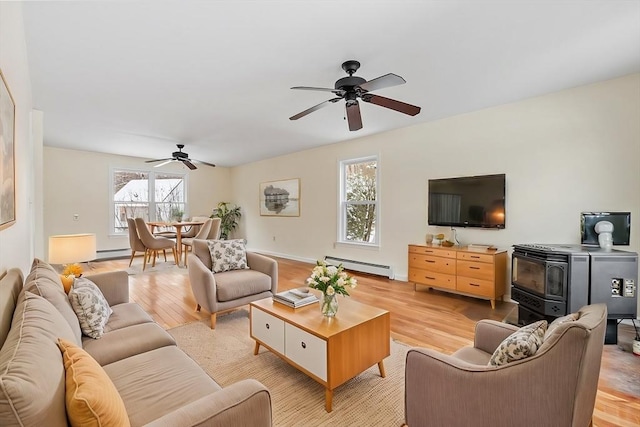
[(478, 273)]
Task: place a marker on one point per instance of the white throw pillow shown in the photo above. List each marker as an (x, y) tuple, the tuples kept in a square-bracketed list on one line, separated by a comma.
[(227, 255), (521, 344), (90, 306)]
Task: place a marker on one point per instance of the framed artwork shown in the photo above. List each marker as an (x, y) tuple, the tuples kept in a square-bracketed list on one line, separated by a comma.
[(280, 198), (7, 156)]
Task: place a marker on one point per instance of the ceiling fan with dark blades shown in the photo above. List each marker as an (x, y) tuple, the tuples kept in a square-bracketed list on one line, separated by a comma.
[(353, 88), (180, 156)]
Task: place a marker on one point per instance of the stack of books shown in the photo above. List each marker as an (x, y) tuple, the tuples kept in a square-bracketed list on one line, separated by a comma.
[(295, 298)]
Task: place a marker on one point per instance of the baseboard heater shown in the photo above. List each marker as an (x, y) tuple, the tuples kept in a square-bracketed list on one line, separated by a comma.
[(363, 267)]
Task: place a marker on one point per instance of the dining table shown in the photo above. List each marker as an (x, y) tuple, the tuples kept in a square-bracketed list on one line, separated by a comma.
[(178, 225)]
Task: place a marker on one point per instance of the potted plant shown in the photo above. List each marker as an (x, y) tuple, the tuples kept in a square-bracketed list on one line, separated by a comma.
[(176, 214), (229, 215)]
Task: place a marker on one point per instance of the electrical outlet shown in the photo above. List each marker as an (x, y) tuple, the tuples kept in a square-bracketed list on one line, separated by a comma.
[(76, 217)]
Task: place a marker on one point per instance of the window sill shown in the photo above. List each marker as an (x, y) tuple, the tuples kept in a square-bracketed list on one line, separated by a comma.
[(359, 245)]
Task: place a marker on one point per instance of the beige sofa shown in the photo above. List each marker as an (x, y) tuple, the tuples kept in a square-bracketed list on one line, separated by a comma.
[(158, 383)]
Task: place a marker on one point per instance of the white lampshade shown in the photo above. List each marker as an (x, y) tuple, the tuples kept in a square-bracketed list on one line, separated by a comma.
[(70, 248)]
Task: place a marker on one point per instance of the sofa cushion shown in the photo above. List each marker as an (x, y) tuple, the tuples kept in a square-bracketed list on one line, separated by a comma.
[(90, 306), (45, 281), (157, 382), (227, 255), (560, 321), (32, 381), (126, 342), (91, 397), (125, 315), (521, 344), (233, 285)]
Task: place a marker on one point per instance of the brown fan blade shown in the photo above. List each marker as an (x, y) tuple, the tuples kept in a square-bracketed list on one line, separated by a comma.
[(353, 116), (204, 163), (314, 108), (189, 164), (338, 92), (381, 82), (158, 160), (392, 104)]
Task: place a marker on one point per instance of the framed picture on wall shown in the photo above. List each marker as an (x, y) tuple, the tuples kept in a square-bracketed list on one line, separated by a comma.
[(280, 198), (7, 156)]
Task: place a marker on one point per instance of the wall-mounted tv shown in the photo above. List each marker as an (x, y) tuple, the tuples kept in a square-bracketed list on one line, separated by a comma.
[(471, 201), (621, 226)]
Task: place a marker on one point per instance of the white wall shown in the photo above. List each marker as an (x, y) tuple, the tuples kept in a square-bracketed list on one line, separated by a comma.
[(563, 153), (77, 182), (16, 242)]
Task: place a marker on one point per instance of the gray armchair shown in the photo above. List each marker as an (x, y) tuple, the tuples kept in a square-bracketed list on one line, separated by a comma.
[(555, 387), (217, 292)]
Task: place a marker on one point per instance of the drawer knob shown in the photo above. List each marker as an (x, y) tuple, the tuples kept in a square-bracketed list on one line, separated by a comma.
[(267, 325), (303, 344)]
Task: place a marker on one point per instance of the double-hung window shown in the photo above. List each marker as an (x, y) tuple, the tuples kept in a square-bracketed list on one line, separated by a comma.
[(150, 195), (359, 213)]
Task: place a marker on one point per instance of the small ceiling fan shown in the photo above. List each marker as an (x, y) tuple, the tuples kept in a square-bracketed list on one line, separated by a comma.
[(179, 156), (351, 88)]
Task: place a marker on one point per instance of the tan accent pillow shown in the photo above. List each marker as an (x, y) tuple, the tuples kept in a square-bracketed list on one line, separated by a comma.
[(91, 398), (521, 344)]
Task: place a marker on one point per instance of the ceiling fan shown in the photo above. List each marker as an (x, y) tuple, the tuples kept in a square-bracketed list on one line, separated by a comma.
[(351, 88), (179, 156)]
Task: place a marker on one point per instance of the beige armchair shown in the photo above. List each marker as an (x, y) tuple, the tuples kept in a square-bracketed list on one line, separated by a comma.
[(555, 387), (230, 289)]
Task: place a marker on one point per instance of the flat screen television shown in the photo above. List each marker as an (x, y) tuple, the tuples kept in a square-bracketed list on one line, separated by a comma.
[(621, 227), (471, 201)]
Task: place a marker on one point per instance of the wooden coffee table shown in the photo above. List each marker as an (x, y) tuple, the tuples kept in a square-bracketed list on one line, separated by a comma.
[(329, 350)]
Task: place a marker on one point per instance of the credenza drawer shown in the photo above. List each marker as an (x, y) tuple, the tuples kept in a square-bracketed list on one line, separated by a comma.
[(470, 285), (306, 350), (268, 329), (470, 256), (430, 278), (432, 263), (478, 270), (428, 250)]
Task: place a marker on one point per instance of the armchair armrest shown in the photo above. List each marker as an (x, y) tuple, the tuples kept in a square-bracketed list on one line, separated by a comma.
[(266, 265), (114, 285), (490, 333), (203, 283), (246, 403)]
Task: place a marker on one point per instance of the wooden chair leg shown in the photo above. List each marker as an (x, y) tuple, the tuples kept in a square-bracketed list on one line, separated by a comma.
[(198, 307), (164, 251), (185, 250), (146, 257), (155, 255), (175, 256), (132, 255), (213, 320)]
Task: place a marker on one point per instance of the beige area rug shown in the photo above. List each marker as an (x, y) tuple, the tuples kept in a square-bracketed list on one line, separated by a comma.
[(226, 353)]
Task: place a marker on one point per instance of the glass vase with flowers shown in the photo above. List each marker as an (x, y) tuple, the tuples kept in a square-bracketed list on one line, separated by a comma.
[(330, 280)]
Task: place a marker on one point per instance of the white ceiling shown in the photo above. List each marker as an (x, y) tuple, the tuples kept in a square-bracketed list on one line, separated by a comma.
[(135, 78)]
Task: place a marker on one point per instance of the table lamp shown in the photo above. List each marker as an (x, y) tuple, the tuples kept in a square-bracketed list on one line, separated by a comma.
[(71, 248)]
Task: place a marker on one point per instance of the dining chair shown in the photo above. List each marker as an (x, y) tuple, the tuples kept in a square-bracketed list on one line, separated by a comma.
[(153, 244), (203, 234), (214, 233), (134, 240)]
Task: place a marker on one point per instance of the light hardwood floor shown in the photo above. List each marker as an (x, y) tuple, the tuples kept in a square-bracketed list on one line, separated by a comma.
[(421, 317)]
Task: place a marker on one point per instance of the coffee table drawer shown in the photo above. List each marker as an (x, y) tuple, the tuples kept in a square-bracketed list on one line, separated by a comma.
[(267, 329), (306, 350)]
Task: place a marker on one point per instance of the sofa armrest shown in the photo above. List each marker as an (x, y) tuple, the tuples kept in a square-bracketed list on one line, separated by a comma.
[(490, 333), (203, 283), (246, 403), (266, 265), (114, 285)]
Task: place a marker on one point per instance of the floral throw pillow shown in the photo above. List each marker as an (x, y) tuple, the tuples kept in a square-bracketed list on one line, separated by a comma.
[(521, 344), (90, 306), (227, 255)]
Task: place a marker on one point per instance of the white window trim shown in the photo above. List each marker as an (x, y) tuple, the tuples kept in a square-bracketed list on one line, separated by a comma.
[(342, 220), (152, 176)]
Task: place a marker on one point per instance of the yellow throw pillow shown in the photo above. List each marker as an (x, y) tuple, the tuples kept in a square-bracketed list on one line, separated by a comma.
[(91, 397)]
